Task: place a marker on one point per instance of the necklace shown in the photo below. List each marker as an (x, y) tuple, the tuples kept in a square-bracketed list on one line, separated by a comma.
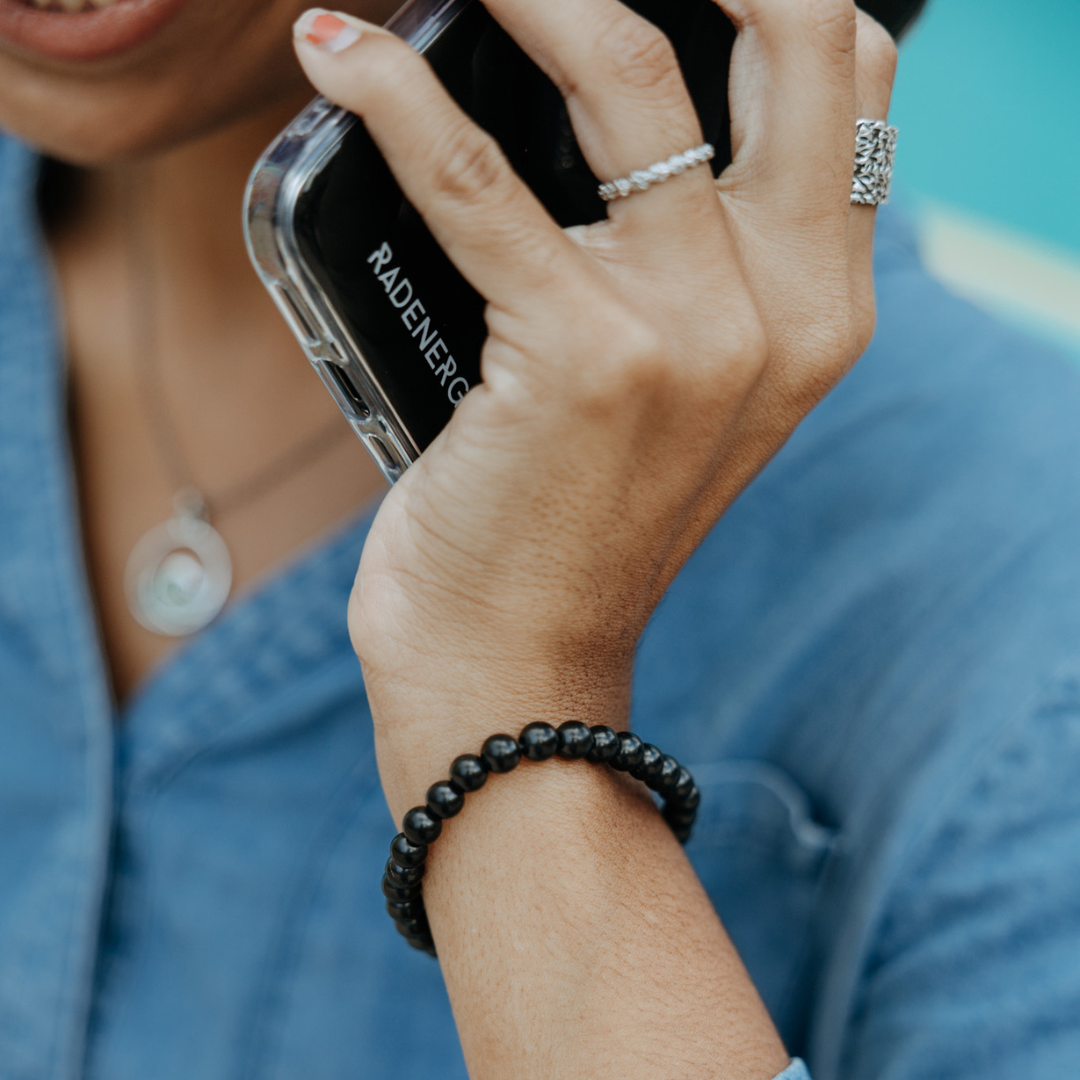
[(179, 575)]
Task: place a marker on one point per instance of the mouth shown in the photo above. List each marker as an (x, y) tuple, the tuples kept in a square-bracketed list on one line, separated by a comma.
[(83, 30)]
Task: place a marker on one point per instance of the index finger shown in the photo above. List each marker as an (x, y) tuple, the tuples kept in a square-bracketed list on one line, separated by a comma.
[(451, 170)]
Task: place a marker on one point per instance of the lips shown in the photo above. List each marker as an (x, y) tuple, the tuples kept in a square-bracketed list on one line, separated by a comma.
[(83, 30)]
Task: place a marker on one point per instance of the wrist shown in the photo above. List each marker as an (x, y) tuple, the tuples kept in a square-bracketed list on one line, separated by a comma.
[(428, 712)]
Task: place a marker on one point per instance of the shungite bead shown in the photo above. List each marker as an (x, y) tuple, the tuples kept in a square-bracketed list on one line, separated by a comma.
[(421, 826), (469, 772), (538, 741), (575, 740), (677, 818), (404, 877), (631, 750), (669, 774), (445, 799), (410, 909), (412, 927), (422, 942), (405, 853), (502, 753), (605, 744), (682, 834), (684, 784), (692, 800), (649, 768), (398, 893)]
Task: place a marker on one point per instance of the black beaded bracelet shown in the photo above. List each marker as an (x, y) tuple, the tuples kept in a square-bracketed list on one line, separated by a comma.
[(402, 882)]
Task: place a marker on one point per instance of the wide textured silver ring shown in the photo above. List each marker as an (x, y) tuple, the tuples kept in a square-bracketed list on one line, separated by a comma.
[(643, 179), (875, 155)]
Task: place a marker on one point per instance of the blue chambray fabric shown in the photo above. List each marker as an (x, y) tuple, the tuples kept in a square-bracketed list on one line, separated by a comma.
[(872, 664)]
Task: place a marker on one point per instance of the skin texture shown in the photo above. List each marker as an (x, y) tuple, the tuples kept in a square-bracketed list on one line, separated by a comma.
[(638, 374), (167, 135)]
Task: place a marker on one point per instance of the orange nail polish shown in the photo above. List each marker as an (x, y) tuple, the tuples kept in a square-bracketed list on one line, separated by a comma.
[(326, 30)]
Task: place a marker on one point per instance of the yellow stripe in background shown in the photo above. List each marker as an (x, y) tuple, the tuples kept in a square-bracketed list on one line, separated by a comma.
[(1017, 277)]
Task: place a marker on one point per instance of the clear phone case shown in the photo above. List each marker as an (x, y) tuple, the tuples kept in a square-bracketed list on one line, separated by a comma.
[(392, 328), (282, 173)]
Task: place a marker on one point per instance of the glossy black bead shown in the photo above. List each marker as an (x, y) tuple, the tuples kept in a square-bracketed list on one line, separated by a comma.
[(669, 775), (445, 799), (631, 750), (538, 741), (502, 753), (677, 818), (399, 893), (413, 928), (605, 744), (423, 943), (575, 740), (692, 800), (405, 853), (682, 834), (404, 877), (469, 772), (410, 909), (683, 785), (648, 769), (421, 826)]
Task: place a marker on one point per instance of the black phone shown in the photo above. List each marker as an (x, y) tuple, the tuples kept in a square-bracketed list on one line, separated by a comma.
[(391, 327)]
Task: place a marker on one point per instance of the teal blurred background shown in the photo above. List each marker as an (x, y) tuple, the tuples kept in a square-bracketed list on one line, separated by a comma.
[(988, 104)]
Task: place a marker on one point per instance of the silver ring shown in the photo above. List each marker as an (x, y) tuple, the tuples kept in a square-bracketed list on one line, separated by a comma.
[(643, 179), (875, 154)]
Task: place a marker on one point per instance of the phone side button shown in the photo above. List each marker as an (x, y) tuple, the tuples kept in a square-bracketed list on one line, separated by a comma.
[(310, 118), (300, 322), (345, 392), (390, 468)]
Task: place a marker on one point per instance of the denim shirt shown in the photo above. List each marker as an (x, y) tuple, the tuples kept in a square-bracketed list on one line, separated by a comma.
[(872, 665)]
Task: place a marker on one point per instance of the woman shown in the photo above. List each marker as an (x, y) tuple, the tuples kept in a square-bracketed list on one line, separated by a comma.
[(193, 891)]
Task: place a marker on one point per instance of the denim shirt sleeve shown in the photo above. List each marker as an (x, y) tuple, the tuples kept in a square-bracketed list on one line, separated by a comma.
[(975, 970), (795, 1071)]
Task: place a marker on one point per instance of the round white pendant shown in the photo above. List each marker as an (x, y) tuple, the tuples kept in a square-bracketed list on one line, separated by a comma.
[(178, 576)]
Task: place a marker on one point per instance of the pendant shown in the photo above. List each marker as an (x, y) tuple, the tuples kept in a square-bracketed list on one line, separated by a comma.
[(179, 575)]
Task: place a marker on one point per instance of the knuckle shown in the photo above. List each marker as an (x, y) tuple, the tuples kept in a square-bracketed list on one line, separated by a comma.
[(737, 367), (630, 368), (470, 164), (637, 53), (837, 338), (876, 49), (834, 23), (866, 323), (829, 348), (748, 339)]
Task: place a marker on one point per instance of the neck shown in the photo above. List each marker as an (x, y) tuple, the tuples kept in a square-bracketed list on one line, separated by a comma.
[(186, 205), (232, 389), (161, 294)]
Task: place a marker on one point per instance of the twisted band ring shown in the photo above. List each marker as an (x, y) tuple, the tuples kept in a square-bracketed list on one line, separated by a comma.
[(643, 179)]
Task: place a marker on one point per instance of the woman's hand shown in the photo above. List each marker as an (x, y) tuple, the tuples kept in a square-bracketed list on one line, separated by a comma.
[(638, 373)]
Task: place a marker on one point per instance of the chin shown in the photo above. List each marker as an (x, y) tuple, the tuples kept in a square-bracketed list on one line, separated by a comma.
[(119, 119), (94, 82), (99, 81)]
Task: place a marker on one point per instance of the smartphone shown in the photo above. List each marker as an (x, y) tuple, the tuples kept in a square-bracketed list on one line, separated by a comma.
[(390, 326)]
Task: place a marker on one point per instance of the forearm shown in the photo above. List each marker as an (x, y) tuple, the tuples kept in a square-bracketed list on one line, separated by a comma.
[(636, 372), (573, 934)]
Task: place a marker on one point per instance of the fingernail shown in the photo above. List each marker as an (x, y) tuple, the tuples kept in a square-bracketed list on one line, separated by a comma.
[(325, 30)]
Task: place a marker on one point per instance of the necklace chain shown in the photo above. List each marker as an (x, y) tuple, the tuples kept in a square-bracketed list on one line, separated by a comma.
[(178, 577), (144, 294)]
